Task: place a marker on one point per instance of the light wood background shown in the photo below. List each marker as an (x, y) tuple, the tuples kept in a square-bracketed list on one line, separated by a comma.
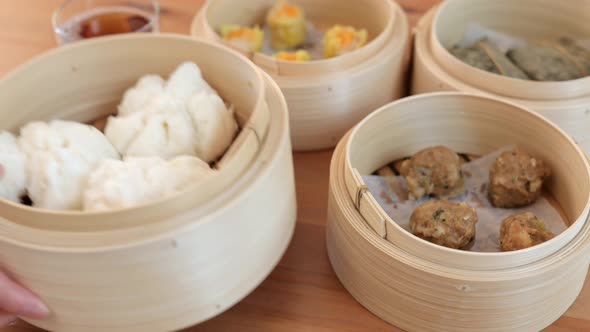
[(302, 294)]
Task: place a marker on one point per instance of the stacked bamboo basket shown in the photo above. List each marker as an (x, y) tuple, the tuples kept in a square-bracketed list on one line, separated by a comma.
[(419, 286), (170, 264), (327, 97), (435, 69)]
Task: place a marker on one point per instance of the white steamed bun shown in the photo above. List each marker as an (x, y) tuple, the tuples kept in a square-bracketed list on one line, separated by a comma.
[(60, 155), (120, 184), (187, 80), (164, 134), (183, 116), (214, 123), (13, 177), (153, 132), (142, 94)]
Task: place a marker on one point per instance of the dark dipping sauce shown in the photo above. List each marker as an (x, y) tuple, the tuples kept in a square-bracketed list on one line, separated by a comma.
[(112, 23)]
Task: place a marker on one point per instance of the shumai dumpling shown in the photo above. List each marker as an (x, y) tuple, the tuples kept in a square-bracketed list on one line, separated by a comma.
[(13, 176), (340, 40), (118, 184), (444, 223), (60, 155), (521, 231), (297, 56), (287, 25), (246, 38), (434, 171)]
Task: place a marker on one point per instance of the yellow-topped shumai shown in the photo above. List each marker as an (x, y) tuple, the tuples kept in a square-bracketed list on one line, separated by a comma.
[(343, 39), (300, 55), (250, 39), (287, 25)]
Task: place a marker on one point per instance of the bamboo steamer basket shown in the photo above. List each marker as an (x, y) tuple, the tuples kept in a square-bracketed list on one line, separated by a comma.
[(327, 97), (85, 95), (435, 69), (419, 286), (170, 264)]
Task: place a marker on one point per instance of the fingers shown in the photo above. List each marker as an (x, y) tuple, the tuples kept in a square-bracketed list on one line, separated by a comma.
[(6, 319), (18, 301)]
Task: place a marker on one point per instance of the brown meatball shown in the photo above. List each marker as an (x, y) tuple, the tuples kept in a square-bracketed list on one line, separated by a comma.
[(522, 231), (516, 179), (445, 223), (434, 171)]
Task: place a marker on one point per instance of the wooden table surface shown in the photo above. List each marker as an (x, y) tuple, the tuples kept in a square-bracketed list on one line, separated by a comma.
[(302, 294)]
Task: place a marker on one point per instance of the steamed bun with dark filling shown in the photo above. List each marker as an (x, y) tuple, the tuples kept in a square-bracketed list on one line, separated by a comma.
[(13, 177), (60, 156)]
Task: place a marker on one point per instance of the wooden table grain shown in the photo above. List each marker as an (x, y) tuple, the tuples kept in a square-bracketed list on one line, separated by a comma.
[(302, 294)]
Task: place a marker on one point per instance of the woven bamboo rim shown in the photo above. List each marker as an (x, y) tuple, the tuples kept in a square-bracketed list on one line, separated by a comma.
[(326, 98), (418, 286), (561, 102), (528, 18), (79, 66), (178, 271)]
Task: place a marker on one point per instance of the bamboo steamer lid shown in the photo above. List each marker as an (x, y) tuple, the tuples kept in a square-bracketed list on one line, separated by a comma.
[(327, 97), (178, 267), (566, 103), (419, 286)]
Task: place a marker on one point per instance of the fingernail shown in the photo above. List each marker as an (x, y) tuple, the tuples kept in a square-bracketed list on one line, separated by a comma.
[(7, 320), (36, 310)]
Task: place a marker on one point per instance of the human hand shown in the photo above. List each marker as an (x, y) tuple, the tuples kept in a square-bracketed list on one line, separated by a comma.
[(17, 301)]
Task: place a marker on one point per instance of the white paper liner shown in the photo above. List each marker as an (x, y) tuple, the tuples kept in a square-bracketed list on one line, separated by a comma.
[(391, 193)]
